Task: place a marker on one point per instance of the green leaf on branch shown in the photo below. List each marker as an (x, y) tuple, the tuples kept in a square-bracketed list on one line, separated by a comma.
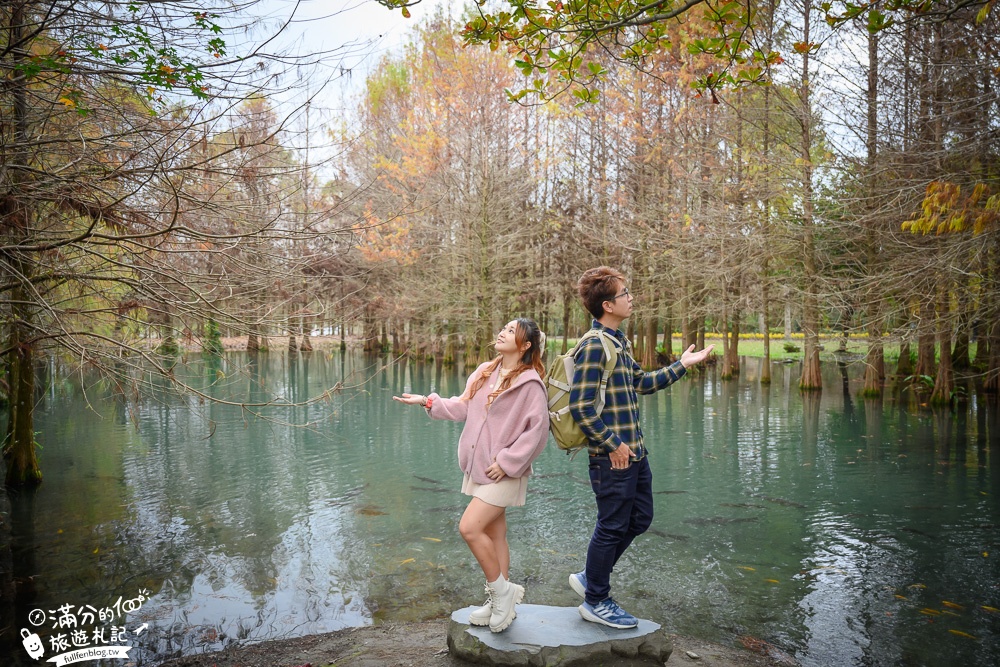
[(516, 97), (877, 21), (586, 96)]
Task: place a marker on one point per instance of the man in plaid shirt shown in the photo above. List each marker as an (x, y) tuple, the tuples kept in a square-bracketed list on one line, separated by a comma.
[(619, 470)]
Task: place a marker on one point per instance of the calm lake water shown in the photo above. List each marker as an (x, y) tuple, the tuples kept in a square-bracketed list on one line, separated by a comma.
[(843, 531)]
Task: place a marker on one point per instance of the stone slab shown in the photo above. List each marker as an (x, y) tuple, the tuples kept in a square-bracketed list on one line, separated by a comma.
[(546, 636)]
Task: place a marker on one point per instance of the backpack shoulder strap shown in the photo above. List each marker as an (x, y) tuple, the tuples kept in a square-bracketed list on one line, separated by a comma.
[(611, 350), (610, 361), (592, 333)]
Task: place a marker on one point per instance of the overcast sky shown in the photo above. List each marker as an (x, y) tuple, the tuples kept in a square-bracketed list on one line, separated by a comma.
[(355, 33)]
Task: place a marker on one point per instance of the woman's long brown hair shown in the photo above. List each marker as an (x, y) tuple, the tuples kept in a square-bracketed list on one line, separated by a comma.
[(526, 332)]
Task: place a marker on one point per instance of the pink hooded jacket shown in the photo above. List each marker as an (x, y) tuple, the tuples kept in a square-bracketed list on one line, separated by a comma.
[(513, 431)]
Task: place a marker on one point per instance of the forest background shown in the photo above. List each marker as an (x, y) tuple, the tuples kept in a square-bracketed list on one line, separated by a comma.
[(753, 169)]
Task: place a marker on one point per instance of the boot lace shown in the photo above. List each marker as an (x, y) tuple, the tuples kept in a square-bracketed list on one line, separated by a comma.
[(489, 595)]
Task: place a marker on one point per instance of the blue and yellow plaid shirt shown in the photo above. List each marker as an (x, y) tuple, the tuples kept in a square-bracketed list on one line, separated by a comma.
[(618, 423)]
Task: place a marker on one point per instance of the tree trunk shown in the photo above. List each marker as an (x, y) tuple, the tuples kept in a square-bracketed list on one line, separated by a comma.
[(256, 340), (19, 450), (725, 341), (925, 354), (944, 383), (475, 344), (765, 368), (438, 349), (874, 366), (992, 382), (689, 332), (687, 335), (925, 343), (293, 347), (397, 348), (450, 349), (734, 344), (875, 361), (668, 335), (960, 355), (639, 348), (304, 326), (811, 378), (904, 367), (19, 445), (982, 358), (168, 344), (370, 344), (731, 351), (649, 356), (960, 359)]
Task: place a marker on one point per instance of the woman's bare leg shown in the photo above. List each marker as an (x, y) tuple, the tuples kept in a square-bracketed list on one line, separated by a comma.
[(478, 531), (497, 531)]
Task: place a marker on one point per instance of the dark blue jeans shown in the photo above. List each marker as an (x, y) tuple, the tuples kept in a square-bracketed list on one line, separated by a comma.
[(624, 511)]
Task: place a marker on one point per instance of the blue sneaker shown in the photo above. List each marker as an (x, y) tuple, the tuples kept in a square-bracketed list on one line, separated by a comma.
[(578, 582), (609, 613)]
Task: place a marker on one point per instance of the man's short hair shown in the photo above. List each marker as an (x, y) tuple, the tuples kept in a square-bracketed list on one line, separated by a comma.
[(597, 286)]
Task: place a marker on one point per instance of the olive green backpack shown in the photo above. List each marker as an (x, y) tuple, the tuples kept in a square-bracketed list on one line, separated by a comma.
[(558, 382)]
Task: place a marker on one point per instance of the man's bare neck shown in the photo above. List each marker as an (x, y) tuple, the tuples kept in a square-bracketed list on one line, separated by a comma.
[(611, 322)]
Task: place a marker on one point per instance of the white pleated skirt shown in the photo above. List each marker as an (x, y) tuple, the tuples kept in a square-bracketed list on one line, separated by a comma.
[(508, 492)]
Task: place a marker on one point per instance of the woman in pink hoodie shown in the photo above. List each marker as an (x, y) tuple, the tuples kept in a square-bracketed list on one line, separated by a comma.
[(506, 425)]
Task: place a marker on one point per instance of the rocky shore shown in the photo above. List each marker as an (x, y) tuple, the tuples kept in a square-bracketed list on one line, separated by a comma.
[(425, 645)]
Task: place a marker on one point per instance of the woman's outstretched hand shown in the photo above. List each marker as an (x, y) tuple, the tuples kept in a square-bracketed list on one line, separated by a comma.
[(411, 399)]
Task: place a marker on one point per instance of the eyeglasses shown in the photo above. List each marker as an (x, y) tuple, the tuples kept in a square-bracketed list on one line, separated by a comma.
[(625, 292)]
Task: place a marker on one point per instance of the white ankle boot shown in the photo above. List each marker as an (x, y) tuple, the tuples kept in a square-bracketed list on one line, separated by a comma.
[(504, 596), (481, 615)]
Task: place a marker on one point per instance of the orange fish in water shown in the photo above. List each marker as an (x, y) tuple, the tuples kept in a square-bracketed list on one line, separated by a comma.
[(951, 605), (959, 633), (930, 612)]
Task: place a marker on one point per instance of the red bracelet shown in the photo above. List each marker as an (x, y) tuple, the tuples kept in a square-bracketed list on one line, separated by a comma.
[(428, 402)]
